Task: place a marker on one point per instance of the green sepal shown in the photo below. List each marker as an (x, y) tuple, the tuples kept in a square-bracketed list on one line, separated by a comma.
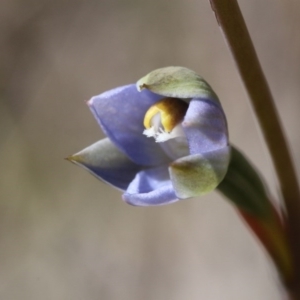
[(199, 174), (177, 82)]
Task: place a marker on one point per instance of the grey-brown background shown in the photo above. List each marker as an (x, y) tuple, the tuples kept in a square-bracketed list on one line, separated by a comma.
[(65, 235)]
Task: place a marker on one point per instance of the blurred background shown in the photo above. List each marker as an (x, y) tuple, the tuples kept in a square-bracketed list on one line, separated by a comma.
[(64, 234)]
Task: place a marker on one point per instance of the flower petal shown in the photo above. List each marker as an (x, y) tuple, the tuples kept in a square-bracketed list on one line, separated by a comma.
[(104, 160), (199, 174), (205, 126), (151, 187), (177, 82), (120, 113)]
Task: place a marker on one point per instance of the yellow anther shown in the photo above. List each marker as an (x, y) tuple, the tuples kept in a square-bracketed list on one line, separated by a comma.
[(172, 111), (151, 112)]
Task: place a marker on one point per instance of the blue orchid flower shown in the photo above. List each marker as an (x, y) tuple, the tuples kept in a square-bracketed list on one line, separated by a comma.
[(167, 138)]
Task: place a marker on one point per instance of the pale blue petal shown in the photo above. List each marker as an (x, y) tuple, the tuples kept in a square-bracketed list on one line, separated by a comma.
[(205, 126), (120, 113), (151, 187), (105, 161)]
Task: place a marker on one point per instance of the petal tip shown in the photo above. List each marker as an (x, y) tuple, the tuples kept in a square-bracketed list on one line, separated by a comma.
[(140, 85), (74, 158), (127, 199), (89, 102)]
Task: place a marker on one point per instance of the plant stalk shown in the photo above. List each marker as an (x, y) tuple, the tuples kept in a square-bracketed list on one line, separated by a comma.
[(232, 24)]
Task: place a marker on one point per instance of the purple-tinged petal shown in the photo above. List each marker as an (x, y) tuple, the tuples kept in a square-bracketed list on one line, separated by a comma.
[(205, 126), (151, 187), (120, 113), (199, 174), (105, 161)]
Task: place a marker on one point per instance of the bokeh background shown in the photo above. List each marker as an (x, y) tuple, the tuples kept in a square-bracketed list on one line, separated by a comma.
[(65, 235)]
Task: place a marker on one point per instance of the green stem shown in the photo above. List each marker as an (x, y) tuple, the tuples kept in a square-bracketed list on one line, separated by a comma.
[(231, 21)]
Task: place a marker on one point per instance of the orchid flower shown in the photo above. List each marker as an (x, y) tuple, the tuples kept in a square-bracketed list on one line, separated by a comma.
[(167, 138)]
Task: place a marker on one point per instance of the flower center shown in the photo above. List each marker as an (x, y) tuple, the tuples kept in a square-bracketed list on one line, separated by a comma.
[(163, 119)]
